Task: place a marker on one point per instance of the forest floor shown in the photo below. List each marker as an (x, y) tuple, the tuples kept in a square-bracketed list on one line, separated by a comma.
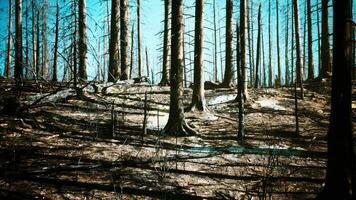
[(61, 146)]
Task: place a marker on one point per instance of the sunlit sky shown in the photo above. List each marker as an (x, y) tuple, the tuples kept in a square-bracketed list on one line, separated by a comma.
[(152, 12)]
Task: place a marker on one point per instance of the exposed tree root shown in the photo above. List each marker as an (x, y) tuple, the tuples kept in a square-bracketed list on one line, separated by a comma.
[(178, 128)]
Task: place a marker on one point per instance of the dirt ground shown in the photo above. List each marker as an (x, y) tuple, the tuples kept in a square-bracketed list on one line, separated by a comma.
[(62, 146)]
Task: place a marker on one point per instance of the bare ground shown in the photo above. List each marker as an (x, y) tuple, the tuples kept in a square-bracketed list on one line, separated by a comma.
[(92, 147)]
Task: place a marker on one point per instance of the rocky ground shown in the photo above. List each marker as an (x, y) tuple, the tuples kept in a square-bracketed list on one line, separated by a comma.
[(61, 146)]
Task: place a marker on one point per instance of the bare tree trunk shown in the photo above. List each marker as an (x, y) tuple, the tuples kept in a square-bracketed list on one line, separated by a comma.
[(299, 70), (270, 83), (82, 71), (54, 78), (279, 80), (34, 50), (228, 46), (18, 41), (165, 71), (340, 175), (27, 41), (257, 79), (74, 45), (319, 37), (264, 84), (248, 13), (310, 43), (198, 98), (176, 124), (44, 71), (325, 44), (9, 43), (124, 38), (286, 45), (114, 43), (140, 70), (215, 45), (132, 51), (38, 71), (242, 71), (147, 65)]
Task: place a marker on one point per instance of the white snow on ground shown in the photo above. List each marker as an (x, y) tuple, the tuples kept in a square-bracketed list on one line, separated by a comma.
[(268, 103), (221, 99), (51, 98), (153, 123)]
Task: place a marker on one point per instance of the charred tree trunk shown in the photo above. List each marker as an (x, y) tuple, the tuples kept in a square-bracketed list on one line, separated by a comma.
[(165, 71), (279, 80), (124, 38), (325, 44), (242, 70), (299, 77), (9, 43), (340, 175), (228, 46), (176, 124), (257, 78), (114, 43), (82, 69), (198, 98), (54, 77), (18, 41), (310, 43)]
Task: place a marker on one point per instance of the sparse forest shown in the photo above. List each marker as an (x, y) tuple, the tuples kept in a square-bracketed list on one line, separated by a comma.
[(177, 99)]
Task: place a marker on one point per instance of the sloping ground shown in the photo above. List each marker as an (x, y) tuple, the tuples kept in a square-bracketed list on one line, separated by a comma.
[(93, 147)]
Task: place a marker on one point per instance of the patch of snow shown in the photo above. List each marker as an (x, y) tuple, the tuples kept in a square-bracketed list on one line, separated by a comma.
[(51, 98), (269, 103), (153, 123), (221, 99)]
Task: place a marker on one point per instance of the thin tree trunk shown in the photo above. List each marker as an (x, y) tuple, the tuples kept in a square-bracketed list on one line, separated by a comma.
[(198, 98), (132, 51), (44, 71), (340, 174), (215, 45), (34, 49), (242, 71), (38, 72), (279, 80), (264, 84), (54, 78), (18, 41), (325, 44), (9, 43), (310, 43), (124, 38), (27, 41), (270, 83), (286, 46), (147, 65), (140, 70), (165, 71), (82, 71), (228, 46), (249, 44), (319, 37), (299, 69), (114, 43), (176, 124), (257, 79)]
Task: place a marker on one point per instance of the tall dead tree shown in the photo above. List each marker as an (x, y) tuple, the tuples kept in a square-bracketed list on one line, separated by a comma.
[(124, 38), (325, 44), (310, 43), (113, 72), (286, 46), (18, 41), (34, 49), (176, 124), (257, 79), (227, 82), (165, 63), (215, 43), (270, 73), (27, 65), (340, 174), (55, 53), (44, 71), (299, 70), (9, 43), (38, 61), (242, 71), (132, 51), (198, 98), (139, 56), (82, 43), (279, 78)]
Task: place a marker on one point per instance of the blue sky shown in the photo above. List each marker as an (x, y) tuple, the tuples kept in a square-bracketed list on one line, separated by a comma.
[(152, 15)]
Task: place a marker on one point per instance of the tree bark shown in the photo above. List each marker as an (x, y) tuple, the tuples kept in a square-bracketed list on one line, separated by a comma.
[(114, 43), (34, 49), (165, 71), (286, 46), (9, 43), (257, 79), (215, 44), (299, 77), (140, 70), (325, 44), (54, 77), (198, 98), (38, 61), (176, 124), (340, 175), (124, 38), (18, 41), (310, 43), (228, 46), (82, 71), (270, 77), (44, 71), (279, 80)]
